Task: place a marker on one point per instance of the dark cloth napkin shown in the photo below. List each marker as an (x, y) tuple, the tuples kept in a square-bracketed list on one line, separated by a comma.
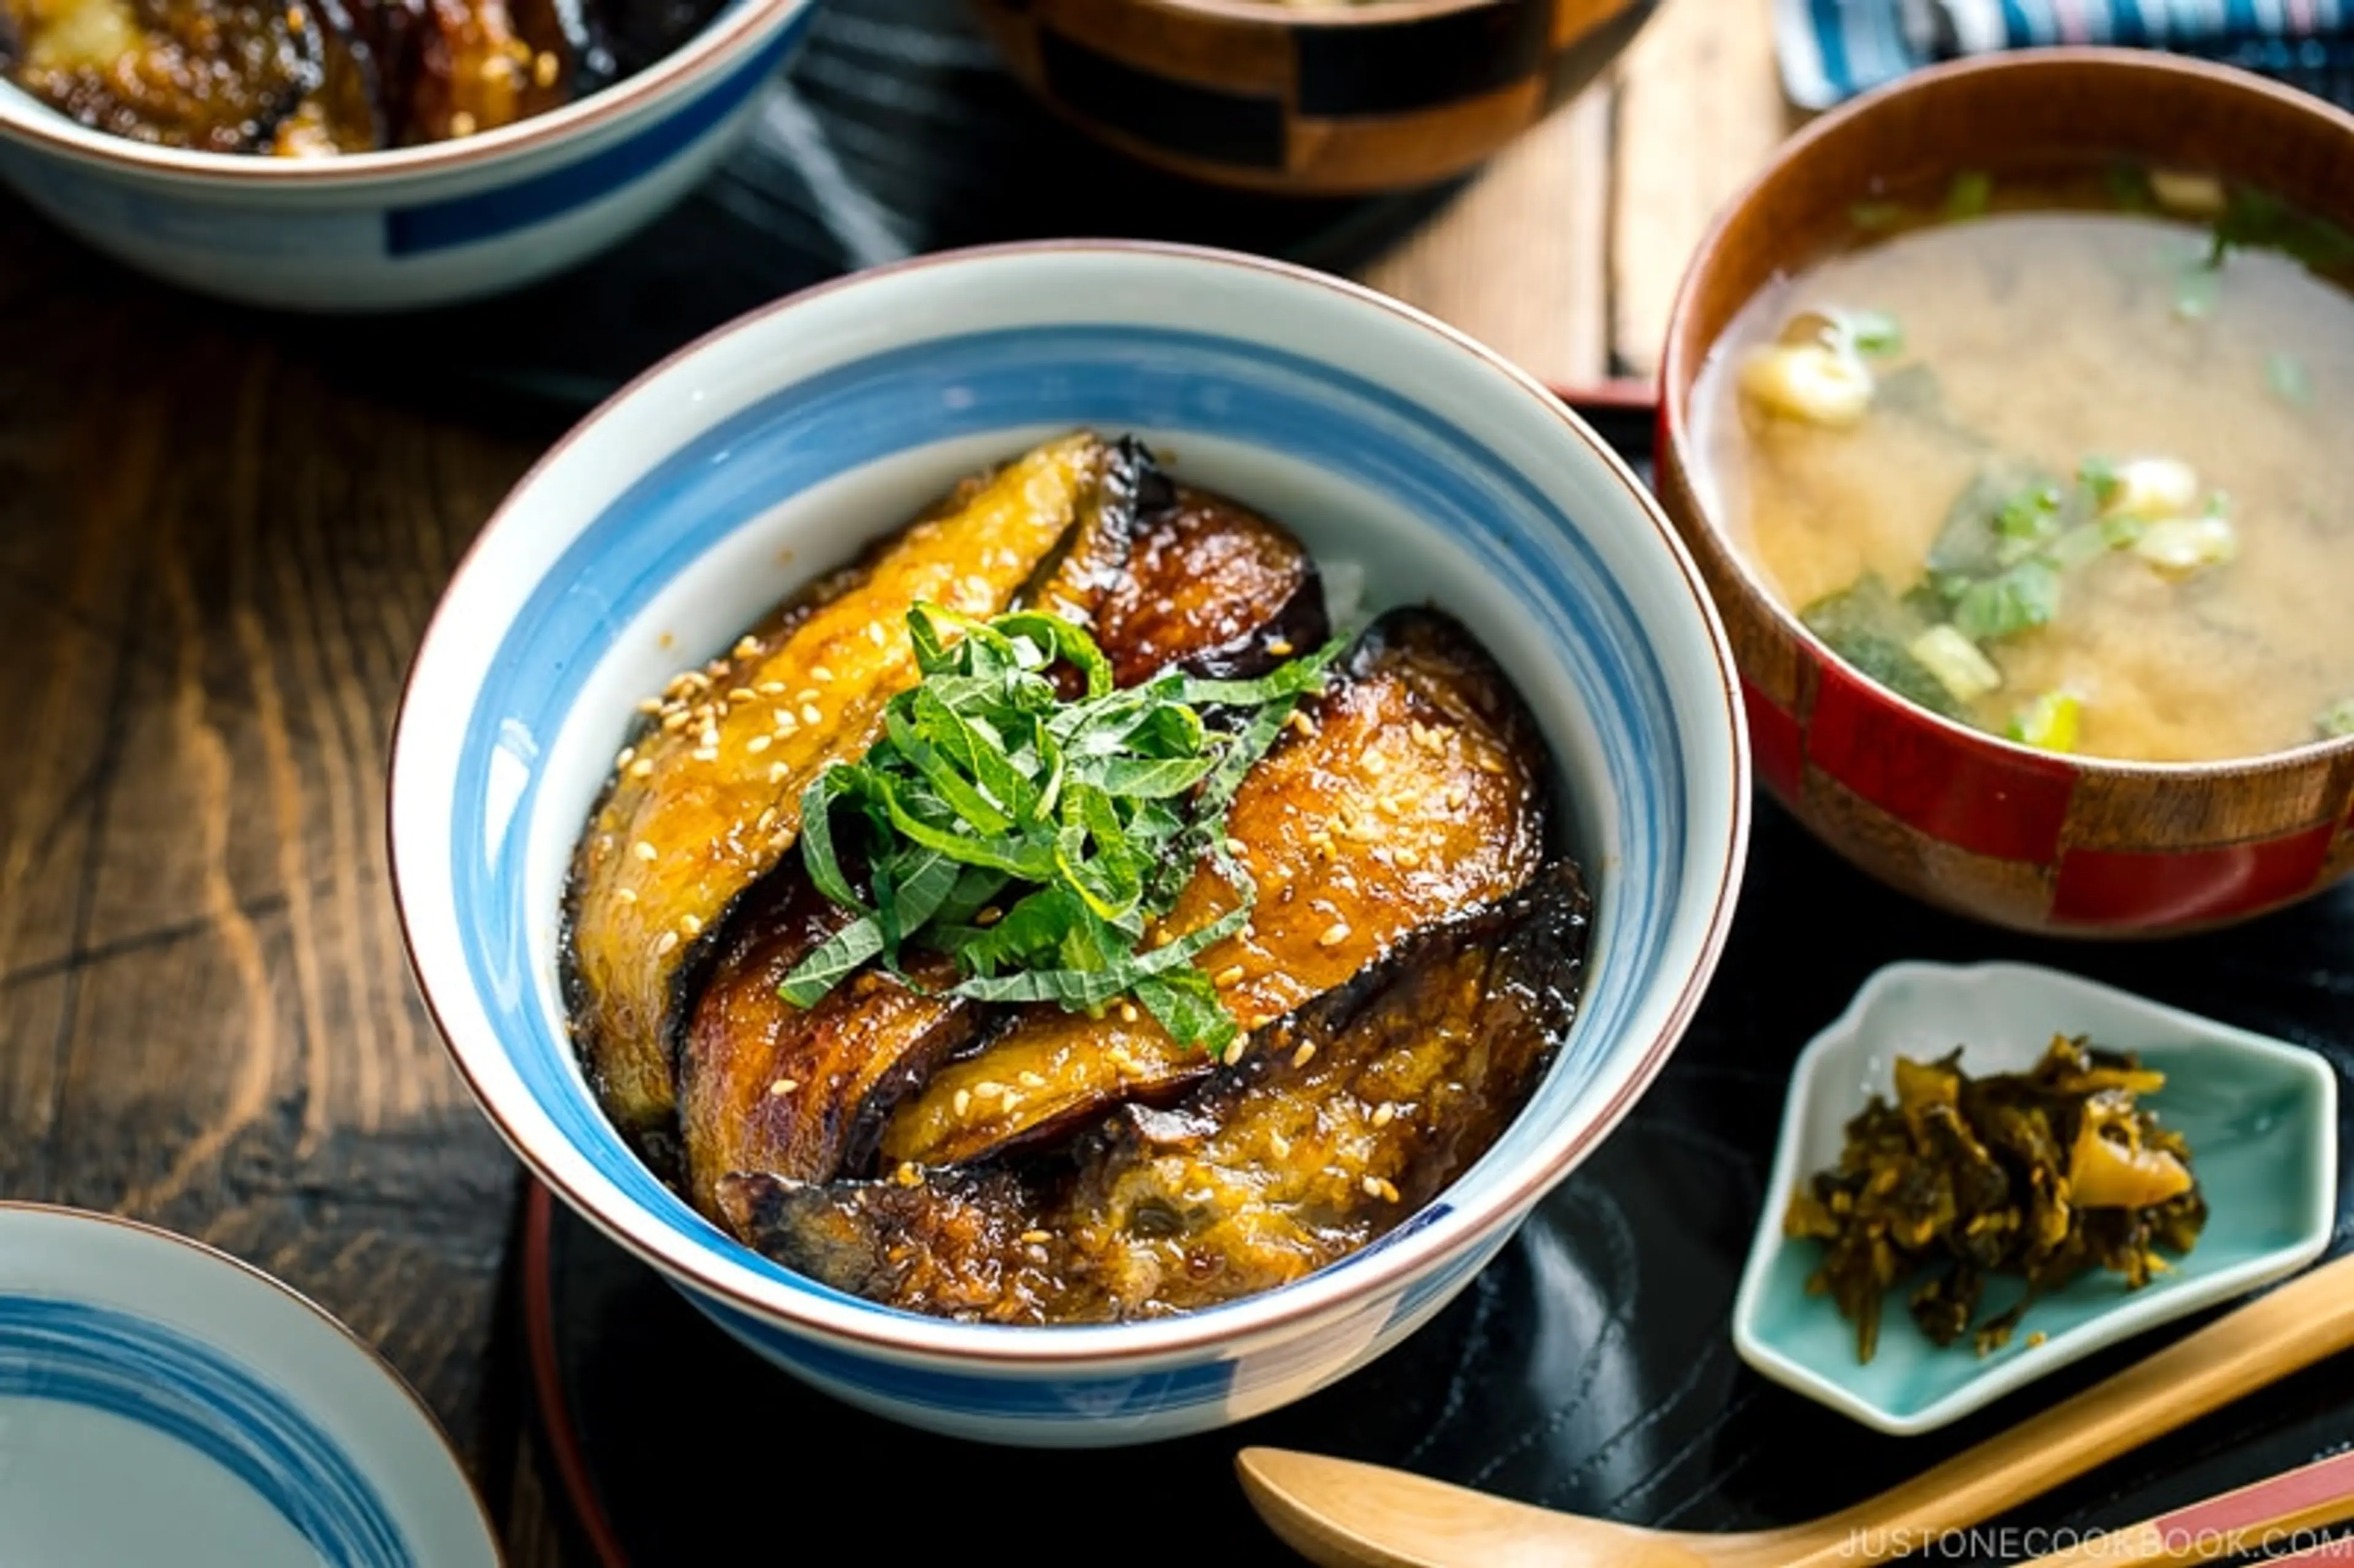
[(1832, 49)]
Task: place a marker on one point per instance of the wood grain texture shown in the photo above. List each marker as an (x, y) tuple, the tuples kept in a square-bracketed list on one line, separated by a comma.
[(216, 557), (1516, 259), (1700, 109)]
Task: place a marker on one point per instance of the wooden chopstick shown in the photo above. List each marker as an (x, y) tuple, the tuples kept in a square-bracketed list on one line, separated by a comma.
[(2265, 1517)]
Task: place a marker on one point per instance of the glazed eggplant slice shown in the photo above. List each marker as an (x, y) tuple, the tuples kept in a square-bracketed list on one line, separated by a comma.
[(768, 1086), (448, 68), (708, 800), (1344, 1118), (218, 75), (1211, 589), (1416, 791)]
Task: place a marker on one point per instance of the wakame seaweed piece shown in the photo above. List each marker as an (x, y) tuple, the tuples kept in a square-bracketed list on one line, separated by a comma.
[(1871, 629), (2252, 220)]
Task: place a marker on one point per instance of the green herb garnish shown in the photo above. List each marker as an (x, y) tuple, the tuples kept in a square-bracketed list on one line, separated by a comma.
[(2285, 374), (1969, 194), (2337, 721), (1874, 332), (2018, 599), (1872, 215), (1032, 838)]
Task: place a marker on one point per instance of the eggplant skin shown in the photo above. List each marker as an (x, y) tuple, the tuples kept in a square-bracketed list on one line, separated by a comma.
[(1354, 1114), (767, 1086), (706, 801), (1418, 790)]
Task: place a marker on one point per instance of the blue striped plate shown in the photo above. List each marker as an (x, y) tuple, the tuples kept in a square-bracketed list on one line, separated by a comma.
[(161, 1402)]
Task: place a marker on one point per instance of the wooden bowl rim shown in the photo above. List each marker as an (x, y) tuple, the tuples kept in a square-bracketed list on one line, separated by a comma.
[(1339, 14), (1680, 366)]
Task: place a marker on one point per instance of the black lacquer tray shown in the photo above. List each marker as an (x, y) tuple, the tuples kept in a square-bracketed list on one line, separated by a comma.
[(1590, 1368)]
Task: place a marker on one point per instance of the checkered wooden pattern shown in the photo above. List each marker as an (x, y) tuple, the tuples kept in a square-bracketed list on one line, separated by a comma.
[(1310, 99), (2032, 842)]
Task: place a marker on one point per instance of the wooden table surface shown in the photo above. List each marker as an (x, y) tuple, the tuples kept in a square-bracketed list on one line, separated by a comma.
[(219, 541)]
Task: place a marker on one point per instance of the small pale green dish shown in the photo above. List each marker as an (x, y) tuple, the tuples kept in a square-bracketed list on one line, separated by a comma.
[(2261, 1116)]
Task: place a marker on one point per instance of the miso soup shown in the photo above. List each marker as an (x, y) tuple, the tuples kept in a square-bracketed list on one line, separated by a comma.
[(2061, 457)]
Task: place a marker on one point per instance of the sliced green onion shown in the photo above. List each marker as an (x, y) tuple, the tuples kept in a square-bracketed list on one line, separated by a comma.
[(1957, 663), (2051, 722)]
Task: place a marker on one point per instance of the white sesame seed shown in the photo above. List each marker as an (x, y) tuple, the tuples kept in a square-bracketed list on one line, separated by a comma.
[(810, 713), (705, 754), (1127, 1015), (778, 771), (1235, 847), (1280, 1145), (1301, 723), (1030, 1081), (987, 1089), (783, 1086), (1383, 1112), (1455, 796), (963, 1101), (625, 895), (1334, 935), (629, 754), (874, 633), (821, 674), (907, 1175), (649, 705), (1227, 976), (644, 767), (757, 744), (1305, 1054), (665, 943), (645, 851), (1280, 647), (1036, 1237), (747, 645), (1238, 1050), (806, 693), (1372, 1186), (691, 924)]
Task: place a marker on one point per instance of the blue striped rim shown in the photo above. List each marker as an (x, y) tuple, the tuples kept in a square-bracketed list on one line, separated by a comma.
[(108, 1360), (1017, 1397), (486, 215), (1170, 382)]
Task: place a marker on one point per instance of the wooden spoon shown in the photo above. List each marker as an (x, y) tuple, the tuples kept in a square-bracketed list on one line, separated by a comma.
[(1343, 1514)]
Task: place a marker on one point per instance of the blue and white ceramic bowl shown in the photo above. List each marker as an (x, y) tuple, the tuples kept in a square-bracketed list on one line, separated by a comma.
[(414, 226), (161, 1402), (771, 451)]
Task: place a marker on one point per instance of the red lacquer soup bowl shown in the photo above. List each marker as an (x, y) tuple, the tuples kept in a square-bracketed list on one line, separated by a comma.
[(2029, 838)]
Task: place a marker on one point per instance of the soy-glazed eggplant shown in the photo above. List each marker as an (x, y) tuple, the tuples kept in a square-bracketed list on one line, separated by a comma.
[(1046, 919), (308, 77)]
